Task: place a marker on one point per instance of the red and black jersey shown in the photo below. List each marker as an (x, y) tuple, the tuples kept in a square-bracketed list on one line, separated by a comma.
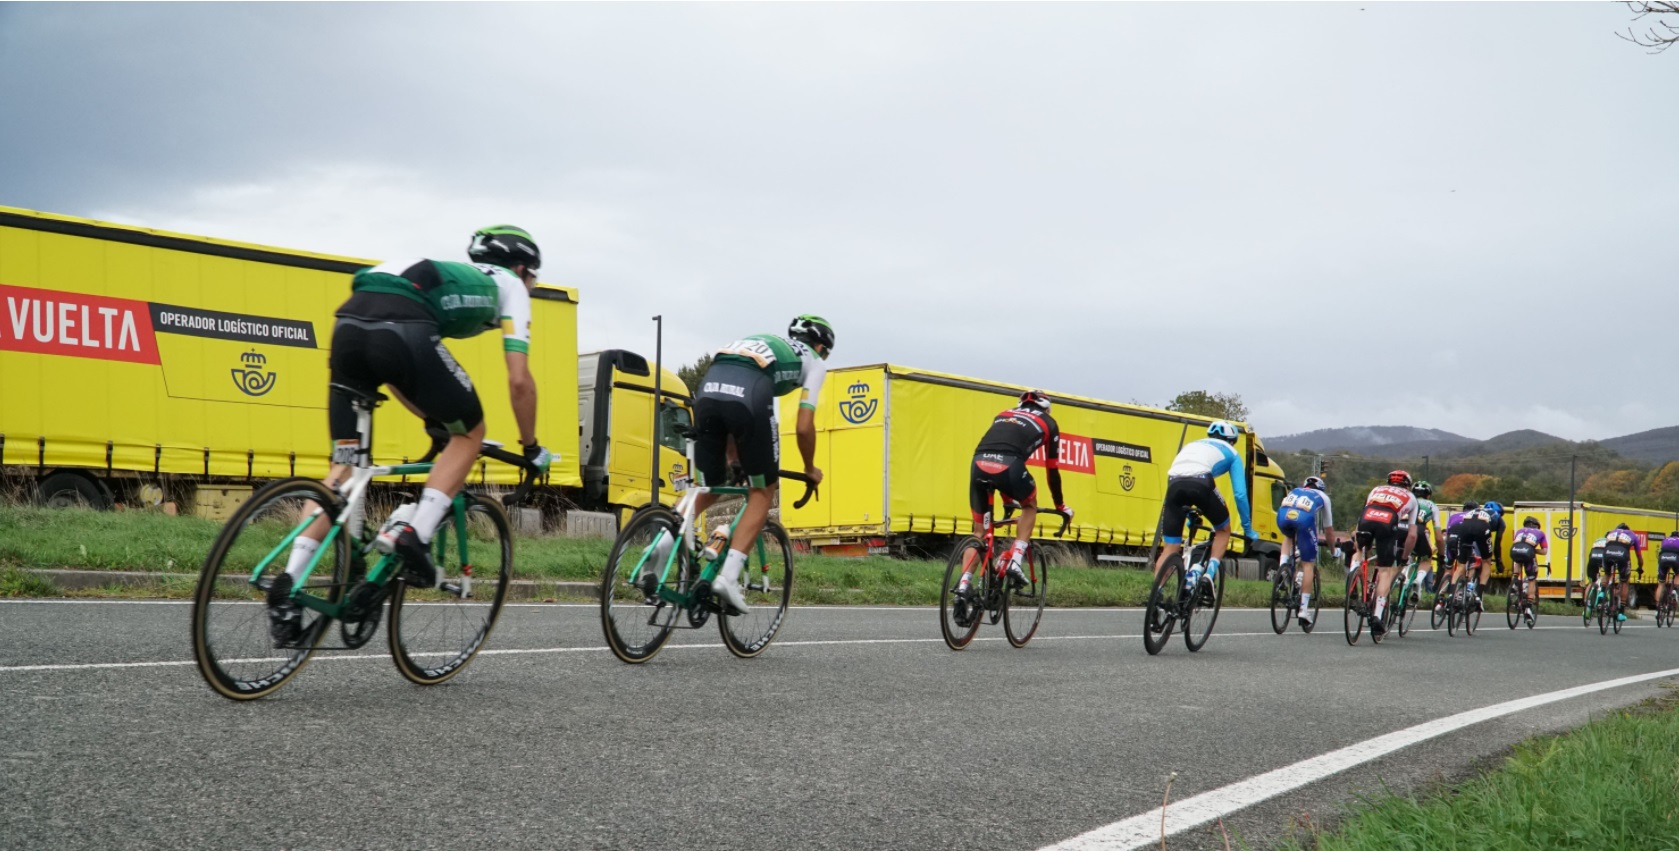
[(1020, 431)]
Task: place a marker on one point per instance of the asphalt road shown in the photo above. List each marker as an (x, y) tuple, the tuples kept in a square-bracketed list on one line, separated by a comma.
[(858, 730)]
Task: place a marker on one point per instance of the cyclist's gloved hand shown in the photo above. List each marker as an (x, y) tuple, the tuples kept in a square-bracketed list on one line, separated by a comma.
[(539, 456), (1068, 512)]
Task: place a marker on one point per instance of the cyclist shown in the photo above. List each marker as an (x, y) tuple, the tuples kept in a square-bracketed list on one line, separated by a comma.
[(1493, 553), (1594, 561), (1529, 543), (1000, 465), (1447, 557), (1428, 527), (390, 332), (735, 416), (1191, 481), (1667, 566), (1473, 542), (1301, 516), (1618, 548), (1388, 527)]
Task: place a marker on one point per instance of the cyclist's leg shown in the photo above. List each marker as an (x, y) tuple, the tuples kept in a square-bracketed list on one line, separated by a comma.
[(430, 379), (1173, 512), (1305, 542), (1018, 485), (1218, 516), (752, 423), (981, 502)]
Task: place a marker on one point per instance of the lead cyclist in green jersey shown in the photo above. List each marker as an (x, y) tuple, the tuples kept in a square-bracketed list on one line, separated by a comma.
[(390, 332), (735, 417), (1427, 532)]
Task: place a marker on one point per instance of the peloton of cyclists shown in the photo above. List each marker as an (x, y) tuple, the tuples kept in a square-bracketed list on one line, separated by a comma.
[(1191, 481), (1387, 531), (1526, 546), (1618, 548), (1000, 465), (1302, 516)]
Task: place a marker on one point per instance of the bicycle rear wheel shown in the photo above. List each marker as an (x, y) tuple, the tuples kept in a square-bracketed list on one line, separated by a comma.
[(1205, 600), (635, 628), (1281, 597), (959, 617), (230, 633), (768, 578), (1352, 614), (1408, 609), (1471, 612), (1317, 601), (435, 632), (1513, 606), (1162, 612), (1025, 607)]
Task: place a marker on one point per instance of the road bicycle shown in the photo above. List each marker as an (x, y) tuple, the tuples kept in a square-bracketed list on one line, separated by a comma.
[(1596, 596), (1516, 605), (1171, 600), (991, 596), (1401, 609), (1285, 593), (433, 633), (659, 577), (1607, 605), (1667, 603), (1361, 599)]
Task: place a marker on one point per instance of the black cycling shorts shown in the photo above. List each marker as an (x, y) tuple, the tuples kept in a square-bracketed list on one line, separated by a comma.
[(1386, 539), (1526, 557), (1424, 548), (1619, 562), (1470, 549), (737, 402), (1667, 562), (409, 356), (1185, 492), (1593, 565), (1003, 473)]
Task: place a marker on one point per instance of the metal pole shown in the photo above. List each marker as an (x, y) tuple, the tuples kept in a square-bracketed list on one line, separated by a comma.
[(656, 484), (1425, 468), (1573, 534)]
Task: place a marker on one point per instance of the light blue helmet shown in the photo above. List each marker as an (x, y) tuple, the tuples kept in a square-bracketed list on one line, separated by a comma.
[(1222, 430)]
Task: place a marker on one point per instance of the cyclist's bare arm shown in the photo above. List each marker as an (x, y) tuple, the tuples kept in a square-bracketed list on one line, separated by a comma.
[(806, 430), (521, 388)]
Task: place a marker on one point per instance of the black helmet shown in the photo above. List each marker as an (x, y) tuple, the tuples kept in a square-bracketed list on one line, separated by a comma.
[(1471, 506), (1422, 489), (1037, 399), (1623, 526), (813, 331), (1531, 522), (505, 246)]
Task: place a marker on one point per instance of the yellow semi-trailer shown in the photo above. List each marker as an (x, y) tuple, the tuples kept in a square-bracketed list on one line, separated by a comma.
[(615, 410), (895, 445), (136, 364), (1578, 531)]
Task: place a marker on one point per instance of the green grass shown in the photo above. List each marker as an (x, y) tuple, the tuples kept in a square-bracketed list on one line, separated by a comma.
[(1613, 784)]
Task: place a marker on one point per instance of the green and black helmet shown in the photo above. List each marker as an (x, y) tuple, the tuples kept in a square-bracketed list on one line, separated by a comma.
[(813, 331), (505, 246)]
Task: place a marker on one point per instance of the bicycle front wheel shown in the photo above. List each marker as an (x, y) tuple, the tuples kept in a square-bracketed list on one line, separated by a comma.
[(434, 633), (1281, 598), (1204, 604), (1513, 606), (230, 631), (1162, 612), (636, 623), (1352, 615), (1025, 607), (768, 587)]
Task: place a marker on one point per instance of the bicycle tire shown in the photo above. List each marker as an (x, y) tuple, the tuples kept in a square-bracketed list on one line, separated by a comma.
[(1160, 616), (1386, 619), (771, 560), (1281, 596), (1603, 617), (1437, 611), (1408, 610), (1586, 608), (636, 630), (1317, 602), (1615, 621), (1197, 620), (230, 633), (1025, 608), (1513, 606), (1471, 614), (429, 624), (956, 634), (1352, 620)]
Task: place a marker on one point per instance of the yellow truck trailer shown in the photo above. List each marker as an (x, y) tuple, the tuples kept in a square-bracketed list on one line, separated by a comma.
[(1576, 531), (895, 444), (137, 365)]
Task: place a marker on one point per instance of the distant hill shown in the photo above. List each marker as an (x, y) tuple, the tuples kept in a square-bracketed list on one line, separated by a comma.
[(1656, 446), (1369, 440)]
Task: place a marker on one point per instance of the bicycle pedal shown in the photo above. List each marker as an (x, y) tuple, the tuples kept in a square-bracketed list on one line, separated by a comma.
[(454, 589)]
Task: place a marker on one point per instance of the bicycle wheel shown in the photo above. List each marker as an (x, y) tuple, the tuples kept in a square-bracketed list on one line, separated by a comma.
[(1281, 597), (1603, 608), (959, 618), (1162, 612), (435, 632), (1025, 607), (1204, 603), (1615, 620), (1408, 609), (767, 588), (635, 628), (1471, 613), (230, 638), (1438, 610), (1352, 616), (1586, 609), (1513, 606), (1317, 601)]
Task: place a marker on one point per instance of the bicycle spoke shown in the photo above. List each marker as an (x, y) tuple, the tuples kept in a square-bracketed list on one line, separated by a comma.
[(434, 633)]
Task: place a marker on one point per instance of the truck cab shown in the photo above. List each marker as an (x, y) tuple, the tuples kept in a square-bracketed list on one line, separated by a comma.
[(615, 416)]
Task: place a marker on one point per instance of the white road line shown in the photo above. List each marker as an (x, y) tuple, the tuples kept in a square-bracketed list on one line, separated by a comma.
[(1145, 829)]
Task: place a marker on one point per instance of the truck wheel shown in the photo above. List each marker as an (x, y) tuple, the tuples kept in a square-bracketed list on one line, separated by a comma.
[(70, 490)]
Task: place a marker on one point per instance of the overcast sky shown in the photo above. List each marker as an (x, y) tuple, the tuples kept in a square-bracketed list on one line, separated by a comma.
[(1444, 215)]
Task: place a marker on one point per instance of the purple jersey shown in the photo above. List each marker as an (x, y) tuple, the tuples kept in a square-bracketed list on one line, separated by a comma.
[(1670, 545), (1536, 537)]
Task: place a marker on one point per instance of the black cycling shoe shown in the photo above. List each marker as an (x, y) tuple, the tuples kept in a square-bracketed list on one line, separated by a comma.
[(962, 610), (417, 567), (1376, 627), (285, 616)]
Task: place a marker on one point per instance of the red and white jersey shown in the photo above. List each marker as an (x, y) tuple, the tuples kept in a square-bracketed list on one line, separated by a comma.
[(1391, 505)]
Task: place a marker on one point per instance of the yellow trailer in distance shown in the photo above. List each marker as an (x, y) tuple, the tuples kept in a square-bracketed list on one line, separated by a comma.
[(895, 444), (1577, 531)]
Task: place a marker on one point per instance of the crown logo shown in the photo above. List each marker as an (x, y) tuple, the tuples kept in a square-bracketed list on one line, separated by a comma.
[(253, 358), (858, 389)]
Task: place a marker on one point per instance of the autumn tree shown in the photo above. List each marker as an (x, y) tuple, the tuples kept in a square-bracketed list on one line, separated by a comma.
[(1219, 406), (1461, 486)]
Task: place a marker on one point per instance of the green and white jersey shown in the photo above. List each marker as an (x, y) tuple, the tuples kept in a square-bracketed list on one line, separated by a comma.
[(789, 363), (1426, 514), (466, 299)]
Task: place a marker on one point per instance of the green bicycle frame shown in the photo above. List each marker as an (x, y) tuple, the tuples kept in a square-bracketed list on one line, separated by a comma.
[(680, 599)]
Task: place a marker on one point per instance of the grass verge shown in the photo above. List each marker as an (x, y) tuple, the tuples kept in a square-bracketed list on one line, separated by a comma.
[(1613, 783)]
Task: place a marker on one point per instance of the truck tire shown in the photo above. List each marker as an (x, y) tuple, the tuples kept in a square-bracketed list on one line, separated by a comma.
[(66, 489)]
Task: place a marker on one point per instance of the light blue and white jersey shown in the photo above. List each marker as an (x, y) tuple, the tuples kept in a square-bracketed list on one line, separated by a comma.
[(1214, 458)]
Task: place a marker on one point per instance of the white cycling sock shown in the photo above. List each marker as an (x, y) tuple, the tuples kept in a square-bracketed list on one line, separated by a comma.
[(1381, 603), (434, 504), (302, 549), (1212, 567), (1017, 556), (732, 567), (1305, 601)]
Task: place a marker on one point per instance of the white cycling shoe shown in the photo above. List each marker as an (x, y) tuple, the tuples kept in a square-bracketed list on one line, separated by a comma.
[(728, 594)]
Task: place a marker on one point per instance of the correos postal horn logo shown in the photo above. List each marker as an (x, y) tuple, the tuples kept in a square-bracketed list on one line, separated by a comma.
[(859, 408), (251, 380)]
